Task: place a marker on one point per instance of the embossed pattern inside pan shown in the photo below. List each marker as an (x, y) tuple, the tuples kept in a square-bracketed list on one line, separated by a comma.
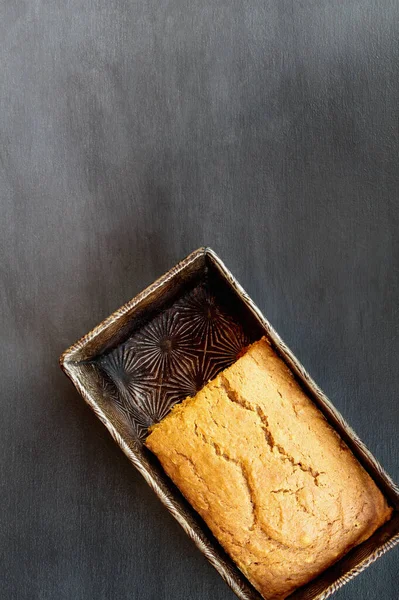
[(172, 357), (165, 345)]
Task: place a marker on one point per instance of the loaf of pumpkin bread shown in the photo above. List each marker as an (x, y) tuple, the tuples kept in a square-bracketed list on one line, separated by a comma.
[(274, 482)]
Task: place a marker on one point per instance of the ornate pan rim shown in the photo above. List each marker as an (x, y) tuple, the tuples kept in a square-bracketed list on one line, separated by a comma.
[(68, 360)]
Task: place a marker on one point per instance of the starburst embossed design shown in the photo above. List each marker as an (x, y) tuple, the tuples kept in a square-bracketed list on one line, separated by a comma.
[(202, 315), (222, 338), (178, 387), (126, 370), (226, 346), (134, 385), (165, 345), (135, 419), (172, 357)]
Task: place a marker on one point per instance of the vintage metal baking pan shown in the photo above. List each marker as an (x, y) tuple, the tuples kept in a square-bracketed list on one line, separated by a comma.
[(163, 346)]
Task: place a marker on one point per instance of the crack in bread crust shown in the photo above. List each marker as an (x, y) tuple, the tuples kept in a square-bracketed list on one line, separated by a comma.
[(264, 422), (247, 479), (242, 468)]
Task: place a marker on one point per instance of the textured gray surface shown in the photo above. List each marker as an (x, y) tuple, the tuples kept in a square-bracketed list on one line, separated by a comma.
[(130, 134)]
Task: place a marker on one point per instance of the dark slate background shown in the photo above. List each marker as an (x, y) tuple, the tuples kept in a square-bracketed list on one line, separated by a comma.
[(130, 134)]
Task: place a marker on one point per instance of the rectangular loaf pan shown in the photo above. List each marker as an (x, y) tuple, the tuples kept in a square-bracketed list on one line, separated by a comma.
[(163, 346)]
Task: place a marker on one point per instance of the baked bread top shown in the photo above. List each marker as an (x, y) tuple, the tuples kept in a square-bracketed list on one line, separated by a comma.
[(274, 482)]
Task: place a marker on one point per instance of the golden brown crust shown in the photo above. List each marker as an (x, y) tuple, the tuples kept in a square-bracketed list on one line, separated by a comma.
[(273, 481)]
